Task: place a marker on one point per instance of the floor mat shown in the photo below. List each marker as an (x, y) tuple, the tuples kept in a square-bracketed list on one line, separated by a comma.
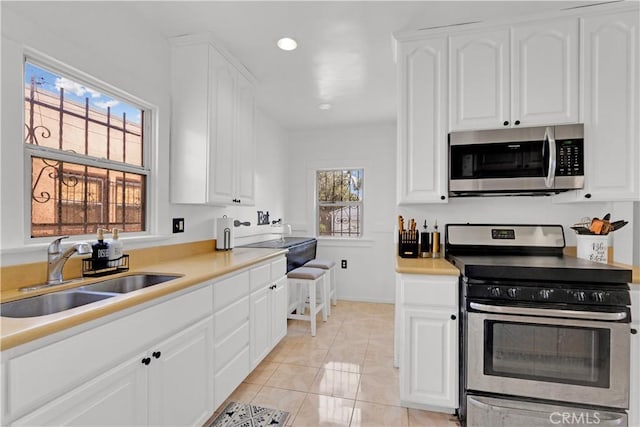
[(246, 415)]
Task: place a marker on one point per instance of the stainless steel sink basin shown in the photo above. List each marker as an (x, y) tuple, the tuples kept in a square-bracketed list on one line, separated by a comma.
[(122, 285), (49, 303), (68, 299)]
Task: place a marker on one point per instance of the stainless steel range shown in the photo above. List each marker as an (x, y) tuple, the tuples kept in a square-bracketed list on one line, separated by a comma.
[(544, 338)]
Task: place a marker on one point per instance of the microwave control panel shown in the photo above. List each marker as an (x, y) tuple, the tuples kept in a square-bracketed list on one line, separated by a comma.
[(570, 157)]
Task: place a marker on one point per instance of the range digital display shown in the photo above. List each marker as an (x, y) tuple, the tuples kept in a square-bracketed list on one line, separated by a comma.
[(503, 233)]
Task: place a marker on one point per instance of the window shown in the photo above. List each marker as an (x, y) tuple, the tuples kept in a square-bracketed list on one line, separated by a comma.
[(340, 202), (86, 151)]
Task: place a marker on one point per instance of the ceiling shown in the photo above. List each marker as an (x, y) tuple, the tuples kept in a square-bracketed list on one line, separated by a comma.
[(344, 54)]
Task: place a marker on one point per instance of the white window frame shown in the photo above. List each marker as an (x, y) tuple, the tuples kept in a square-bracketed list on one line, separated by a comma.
[(318, 204), (149, 143)]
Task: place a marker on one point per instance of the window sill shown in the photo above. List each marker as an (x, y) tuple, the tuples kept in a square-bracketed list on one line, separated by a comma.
[(342, 242), (41, 244)]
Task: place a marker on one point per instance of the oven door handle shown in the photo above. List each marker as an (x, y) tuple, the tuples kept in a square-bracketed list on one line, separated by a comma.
[(543, 312)]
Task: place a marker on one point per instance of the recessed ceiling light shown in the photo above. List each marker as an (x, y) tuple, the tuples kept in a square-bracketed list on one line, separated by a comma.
[(324, 106), (287, 43)]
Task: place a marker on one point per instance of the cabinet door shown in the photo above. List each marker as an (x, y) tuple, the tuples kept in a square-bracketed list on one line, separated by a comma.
[(116, 398), (260, 315), (221, 122), (611, 98), (181, 377), (189, 123), (545, 82), (429, 361), (479, 85), (279, 311), (245, 142), (634, 388), (422, 135)]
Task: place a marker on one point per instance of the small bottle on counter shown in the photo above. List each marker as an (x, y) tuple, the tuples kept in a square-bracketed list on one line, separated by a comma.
[(115, 250), (435, 248), (100, 255)]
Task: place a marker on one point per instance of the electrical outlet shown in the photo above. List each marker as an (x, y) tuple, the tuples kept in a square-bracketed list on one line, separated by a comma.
[(178, 225), (344, 263)]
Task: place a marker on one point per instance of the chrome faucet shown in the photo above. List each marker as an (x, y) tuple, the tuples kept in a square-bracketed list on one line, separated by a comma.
[(56, 258)]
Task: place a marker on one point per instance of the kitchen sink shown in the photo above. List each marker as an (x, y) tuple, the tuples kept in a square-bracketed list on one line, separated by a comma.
[(122, 285), (68, 299), (50, 303)]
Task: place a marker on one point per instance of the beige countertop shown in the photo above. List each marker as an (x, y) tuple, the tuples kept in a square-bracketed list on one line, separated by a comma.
[(435, 266), (193, 268)]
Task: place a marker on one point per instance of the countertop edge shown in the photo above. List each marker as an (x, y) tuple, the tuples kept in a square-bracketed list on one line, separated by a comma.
[(427, 266), (18, 331)]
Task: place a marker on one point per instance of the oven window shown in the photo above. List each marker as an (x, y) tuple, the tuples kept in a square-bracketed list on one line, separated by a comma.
[(559, 354)]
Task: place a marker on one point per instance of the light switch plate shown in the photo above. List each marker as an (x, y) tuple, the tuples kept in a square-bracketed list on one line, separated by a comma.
[(178, 225)]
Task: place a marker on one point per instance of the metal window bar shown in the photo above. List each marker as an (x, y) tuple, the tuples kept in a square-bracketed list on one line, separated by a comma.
[(340, 193), (55, 161)]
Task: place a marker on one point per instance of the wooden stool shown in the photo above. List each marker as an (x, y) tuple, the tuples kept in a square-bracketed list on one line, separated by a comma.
[(329, 265), (306, 280)]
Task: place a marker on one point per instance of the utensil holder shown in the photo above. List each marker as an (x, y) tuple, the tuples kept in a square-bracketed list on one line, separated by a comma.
[(593, 247), (408, 246)]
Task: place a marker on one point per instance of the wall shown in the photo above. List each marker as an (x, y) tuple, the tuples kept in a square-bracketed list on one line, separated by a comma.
[(121, 52), (528, 210), (370, 260)]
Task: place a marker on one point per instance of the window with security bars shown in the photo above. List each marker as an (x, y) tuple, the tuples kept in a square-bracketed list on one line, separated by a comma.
[(340, 202), (86, 152)]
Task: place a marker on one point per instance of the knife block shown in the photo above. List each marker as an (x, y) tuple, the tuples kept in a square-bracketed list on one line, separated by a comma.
[(408, 246)]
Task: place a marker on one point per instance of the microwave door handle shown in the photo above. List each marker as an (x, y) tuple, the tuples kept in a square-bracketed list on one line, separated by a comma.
[(545, 312), (549, 138)]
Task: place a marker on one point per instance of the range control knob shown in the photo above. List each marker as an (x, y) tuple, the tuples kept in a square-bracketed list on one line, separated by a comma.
[(544, 293), (580, 296), (597, 296), (495, 292), (512, 292)]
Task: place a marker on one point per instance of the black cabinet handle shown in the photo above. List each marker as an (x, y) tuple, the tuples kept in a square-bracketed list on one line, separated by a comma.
[(442, 197), (587, 196), (634, 331), (453, 317), (506, 123), (517, 122), (146, 361), (156, 354)]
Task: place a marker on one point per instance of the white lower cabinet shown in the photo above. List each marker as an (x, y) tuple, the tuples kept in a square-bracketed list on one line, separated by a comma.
[(167, 364), (164, 386), (428, 341), (268, 312), (118, 397), (634, 374)]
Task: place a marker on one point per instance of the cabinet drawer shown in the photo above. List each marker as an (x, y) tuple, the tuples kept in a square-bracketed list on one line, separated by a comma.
[(230, 318), (77, 359), (260, 276), (231, 376), (278, 269), (430, 291), (229, 290), (231, 346)]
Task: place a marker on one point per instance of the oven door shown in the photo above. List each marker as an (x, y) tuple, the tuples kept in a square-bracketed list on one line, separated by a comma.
[(556, 358)]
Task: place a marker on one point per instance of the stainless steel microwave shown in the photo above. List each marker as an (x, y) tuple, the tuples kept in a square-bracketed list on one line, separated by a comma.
[(536, 160)]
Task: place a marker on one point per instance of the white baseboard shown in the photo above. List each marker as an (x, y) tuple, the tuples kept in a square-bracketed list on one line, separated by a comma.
[(373, 300)]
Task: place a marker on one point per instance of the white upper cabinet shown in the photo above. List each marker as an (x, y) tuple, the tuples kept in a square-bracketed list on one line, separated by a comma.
[(612, 148), (422, 135), (523, 75), (480, 90), (212, 127)]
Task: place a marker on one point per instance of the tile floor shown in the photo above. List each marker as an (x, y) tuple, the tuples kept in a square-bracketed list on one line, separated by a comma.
[(344, 376)]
